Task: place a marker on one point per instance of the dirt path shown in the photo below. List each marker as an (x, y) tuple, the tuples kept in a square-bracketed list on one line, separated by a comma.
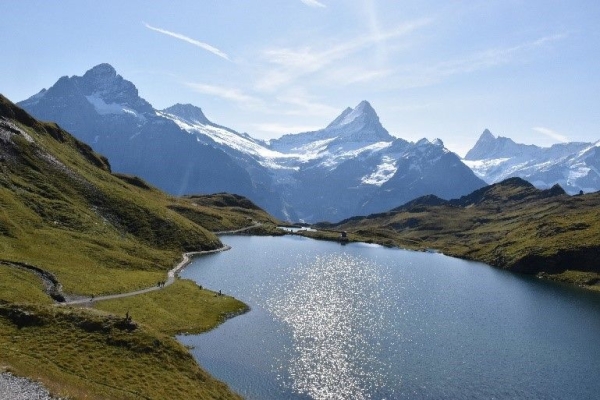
[(54, 288), (187, 258), (254, 225)]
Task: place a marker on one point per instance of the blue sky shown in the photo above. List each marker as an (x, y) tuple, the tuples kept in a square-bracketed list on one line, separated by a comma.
[(528, 70)]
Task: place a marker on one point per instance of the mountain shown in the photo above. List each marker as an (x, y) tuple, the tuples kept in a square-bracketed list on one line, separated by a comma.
[(250, 154), (510, 224), (352, 128), (352, 166), (104, 110), (574, 166)]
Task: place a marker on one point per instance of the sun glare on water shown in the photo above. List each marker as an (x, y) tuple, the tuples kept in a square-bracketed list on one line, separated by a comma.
[(331, 306)]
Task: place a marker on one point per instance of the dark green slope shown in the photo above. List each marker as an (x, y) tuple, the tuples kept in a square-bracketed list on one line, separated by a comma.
[(510, 225), (64, 212), (62, 209)]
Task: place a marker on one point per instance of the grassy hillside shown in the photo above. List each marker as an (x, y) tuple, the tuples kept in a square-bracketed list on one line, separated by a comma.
[(63, 211), (223, 212), (510, 225)]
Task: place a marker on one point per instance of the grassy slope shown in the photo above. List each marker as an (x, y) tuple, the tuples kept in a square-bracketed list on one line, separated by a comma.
[(62, 210), (82, 223), (509, 225), (180, 308), (223, 212), (86, 354)]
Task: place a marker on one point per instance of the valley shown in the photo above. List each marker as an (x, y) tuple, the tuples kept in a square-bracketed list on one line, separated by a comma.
[(107, 238), (303, 200)]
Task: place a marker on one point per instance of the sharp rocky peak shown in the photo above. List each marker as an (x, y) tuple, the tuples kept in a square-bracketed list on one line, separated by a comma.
[(487, 135), (486, 145), (360, 123), (188, 112), (103, 82), (363, 112), (104, 71)]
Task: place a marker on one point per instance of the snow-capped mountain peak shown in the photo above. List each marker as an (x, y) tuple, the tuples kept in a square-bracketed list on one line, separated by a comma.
[(103, 82), (574, 166), (340, 118), (353, 128), (192, 120), (363, 113), (489, 146), (360, 124), (352, 166)]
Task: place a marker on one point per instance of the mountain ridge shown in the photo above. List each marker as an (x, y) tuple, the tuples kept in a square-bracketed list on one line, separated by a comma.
[(575, 166), (341, 170), (134, 138)]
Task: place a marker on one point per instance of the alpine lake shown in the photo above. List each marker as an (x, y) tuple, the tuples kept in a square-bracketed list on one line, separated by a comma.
[(360, 321)]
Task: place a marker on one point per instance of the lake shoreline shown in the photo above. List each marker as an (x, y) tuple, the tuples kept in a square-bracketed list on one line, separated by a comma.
[(407, 304), (586, 280)]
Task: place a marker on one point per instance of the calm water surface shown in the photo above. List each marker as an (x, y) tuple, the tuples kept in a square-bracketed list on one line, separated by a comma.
[(365, 322)]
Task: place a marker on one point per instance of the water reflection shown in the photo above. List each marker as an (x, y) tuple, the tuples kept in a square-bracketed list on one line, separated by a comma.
[(335, 306), (364, 322)]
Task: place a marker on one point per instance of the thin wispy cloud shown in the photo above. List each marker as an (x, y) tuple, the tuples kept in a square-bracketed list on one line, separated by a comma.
[(352, 75), (197, 43), (230, 94), (496, 56), (293, 63), (297, 102), (374, 24), (416, 75), (559, 137), (313, 3)]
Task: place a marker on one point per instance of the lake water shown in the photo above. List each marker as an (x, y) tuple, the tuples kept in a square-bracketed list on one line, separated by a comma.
[(365, 322)]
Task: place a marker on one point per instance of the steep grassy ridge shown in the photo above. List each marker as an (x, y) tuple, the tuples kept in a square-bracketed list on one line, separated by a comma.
[(69, 214), (86, 354), (223, 212), (63, 211)]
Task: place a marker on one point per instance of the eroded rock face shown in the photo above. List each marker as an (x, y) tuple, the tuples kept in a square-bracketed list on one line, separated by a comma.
[(20, 317), (585, 260)]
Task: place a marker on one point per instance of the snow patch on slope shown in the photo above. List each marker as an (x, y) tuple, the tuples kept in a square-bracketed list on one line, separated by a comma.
[(104, 108), (383, 173), (266, 157), (351, 150)]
